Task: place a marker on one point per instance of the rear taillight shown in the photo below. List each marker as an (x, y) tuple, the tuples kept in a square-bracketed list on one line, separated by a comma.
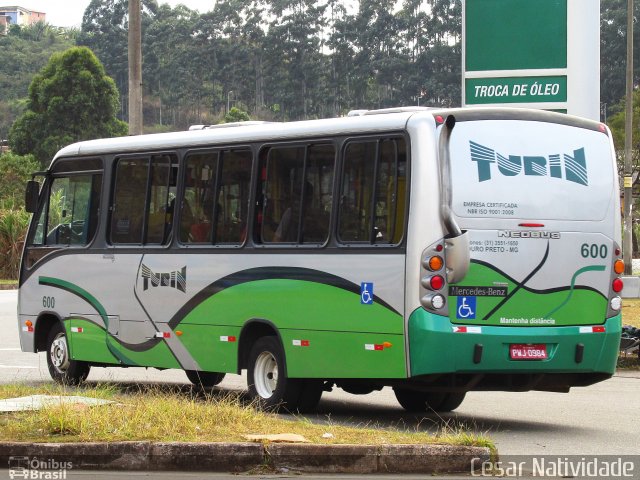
[(436, 282), (433, 279), (617, 285)]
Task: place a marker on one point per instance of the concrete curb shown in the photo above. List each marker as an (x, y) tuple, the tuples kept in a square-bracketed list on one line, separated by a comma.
[(242, 457)]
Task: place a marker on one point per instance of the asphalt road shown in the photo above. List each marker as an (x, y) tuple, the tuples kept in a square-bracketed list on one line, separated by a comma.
[(602, 419)]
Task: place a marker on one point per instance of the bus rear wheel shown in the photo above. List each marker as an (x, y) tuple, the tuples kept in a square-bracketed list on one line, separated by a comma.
[(268, 384), (416, 401), (204, 379), (62, 368)]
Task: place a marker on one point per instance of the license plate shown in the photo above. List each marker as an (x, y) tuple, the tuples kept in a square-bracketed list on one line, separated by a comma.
[(528, 352)]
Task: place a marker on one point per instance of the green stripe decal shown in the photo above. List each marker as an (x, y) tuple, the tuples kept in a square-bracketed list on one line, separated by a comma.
[(97, 306), (591, 268)]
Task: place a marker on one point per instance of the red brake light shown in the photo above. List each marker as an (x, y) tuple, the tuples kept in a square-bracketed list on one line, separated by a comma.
[(437, 282), (617, 285)]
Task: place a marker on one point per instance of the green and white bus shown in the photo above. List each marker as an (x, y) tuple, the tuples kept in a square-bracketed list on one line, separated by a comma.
[(433, 251)]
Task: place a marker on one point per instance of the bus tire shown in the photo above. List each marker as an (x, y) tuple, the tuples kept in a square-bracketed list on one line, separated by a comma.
[(204, 379), (416, 401), (451, 401), (61, 368), (267, 382), (310, 393)]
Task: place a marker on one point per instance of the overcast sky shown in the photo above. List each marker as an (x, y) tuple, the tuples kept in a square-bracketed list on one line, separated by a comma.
[(68, 13)]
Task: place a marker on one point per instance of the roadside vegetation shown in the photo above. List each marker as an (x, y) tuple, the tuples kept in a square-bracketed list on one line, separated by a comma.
[(183, 414), (631, 312), (630, 316)]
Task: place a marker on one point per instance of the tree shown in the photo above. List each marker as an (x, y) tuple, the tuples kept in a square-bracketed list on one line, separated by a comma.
[(71, 99), (613, 51), (15, 170), (25, 50), (236, 115), (616, 124)]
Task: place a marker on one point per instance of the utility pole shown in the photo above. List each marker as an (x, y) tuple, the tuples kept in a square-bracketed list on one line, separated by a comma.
[(627, 247), (135, 68)]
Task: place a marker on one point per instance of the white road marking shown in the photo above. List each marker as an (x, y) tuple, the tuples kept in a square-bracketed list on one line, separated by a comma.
[(16, 366), (9, 349)]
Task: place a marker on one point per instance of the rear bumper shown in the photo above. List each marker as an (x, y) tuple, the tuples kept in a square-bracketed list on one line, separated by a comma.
[(436, 348)]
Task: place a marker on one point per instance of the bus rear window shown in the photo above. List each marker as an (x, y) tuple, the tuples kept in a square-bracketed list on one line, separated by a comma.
[(530, 170)]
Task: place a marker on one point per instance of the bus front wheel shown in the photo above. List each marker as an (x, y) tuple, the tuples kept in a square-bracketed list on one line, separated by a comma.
[(62, 368), (415, 401), (266, 378)]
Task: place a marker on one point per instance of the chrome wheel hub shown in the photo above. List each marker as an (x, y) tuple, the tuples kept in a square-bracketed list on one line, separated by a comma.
[(59, 353), (265, 375)]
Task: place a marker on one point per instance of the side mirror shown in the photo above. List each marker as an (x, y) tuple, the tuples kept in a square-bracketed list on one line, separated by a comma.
[(31, 196)]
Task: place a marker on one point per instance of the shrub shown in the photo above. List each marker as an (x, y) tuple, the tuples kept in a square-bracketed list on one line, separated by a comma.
[(13, 228)]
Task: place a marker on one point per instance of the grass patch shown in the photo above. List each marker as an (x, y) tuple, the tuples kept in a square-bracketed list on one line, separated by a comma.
[(630, 316), (183, 414), (631, 312), (4, 281)]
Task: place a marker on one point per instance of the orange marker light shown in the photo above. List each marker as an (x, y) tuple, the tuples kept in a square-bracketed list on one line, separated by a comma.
[(435, 263), (387, 345), (618, 267), (179, 333), (29, 323)]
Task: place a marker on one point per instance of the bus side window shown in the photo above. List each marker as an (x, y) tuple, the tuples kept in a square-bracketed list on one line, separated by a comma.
[(318, 193), (373, 192), (297, 194), (70, 217), (231, 208), (216, 197), (129, 200), (142, 198)]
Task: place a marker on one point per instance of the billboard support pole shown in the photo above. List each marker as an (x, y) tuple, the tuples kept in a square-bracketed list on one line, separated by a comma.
[(627, 247)]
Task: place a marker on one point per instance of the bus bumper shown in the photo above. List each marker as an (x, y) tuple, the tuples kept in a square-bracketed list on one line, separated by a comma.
[(27, 335), (436, 346)]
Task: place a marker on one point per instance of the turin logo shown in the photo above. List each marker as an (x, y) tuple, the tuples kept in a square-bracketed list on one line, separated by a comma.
[(572, 168), (176, 279)]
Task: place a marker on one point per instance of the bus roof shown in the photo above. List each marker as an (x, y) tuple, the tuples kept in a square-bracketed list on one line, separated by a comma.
[(362, 121), (240, 134)]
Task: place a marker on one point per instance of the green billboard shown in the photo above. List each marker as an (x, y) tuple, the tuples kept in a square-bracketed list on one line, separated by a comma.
[(516, 52), (515, 34)]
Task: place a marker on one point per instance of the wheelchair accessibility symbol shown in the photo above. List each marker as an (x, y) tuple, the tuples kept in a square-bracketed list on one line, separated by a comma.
[(366, 293), (466, 308)]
